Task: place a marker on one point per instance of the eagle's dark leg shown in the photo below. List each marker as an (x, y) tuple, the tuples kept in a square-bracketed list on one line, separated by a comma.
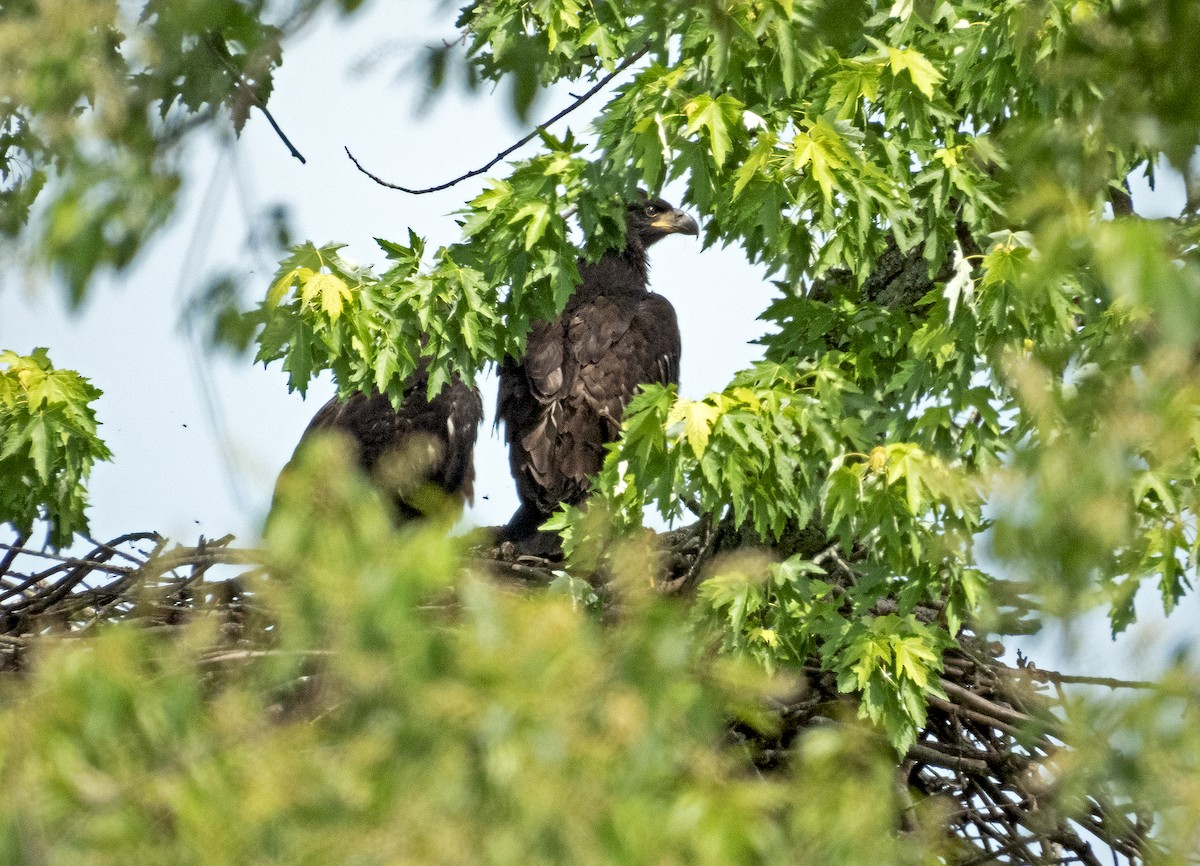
[(522, 530)]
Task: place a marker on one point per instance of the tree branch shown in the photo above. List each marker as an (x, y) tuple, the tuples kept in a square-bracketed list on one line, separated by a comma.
[(579, 100), (258, 103), (7, 562), (1121, 199), (248, 93), (688, 579), (927, 755), (1039, 675)]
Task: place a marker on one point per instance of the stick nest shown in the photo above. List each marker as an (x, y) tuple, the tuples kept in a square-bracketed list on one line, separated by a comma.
[(982, 750)]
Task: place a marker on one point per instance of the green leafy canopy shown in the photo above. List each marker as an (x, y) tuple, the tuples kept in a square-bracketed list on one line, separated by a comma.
[(832, 142)]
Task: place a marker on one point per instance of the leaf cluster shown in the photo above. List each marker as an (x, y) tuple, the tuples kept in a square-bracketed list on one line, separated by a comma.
[(772, 453), (48, 444), (460, 307), (96, 101)]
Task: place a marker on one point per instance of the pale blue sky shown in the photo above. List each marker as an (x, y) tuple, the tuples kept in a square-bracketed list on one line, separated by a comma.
[(184, 469)]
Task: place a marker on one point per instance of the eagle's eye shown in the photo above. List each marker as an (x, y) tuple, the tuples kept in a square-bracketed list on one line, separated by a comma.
[(651, 210)]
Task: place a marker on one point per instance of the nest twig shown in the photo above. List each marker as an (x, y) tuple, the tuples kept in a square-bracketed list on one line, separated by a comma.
[(132, 578), (987, 748)]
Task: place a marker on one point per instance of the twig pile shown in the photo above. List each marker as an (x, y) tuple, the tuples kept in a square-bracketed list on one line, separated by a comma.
[(987, 748), (133, 578)]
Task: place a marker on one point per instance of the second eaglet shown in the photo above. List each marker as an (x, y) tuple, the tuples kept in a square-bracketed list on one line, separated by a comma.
[(562, 403), (419, 446)]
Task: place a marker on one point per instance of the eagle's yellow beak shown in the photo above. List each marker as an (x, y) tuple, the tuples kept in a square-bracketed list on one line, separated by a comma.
[(675, 222)]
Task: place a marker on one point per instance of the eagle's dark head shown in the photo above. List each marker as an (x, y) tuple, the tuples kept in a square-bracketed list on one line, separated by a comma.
[(651, 219)]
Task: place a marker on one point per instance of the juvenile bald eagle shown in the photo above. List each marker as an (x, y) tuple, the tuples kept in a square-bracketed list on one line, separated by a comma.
[(562, 403), (424, 442)]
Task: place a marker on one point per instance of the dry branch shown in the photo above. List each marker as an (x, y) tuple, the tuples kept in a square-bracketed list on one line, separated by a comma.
[(508, 151)]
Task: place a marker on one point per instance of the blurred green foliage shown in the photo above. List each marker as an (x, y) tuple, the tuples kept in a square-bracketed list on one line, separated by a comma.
[(387, 725), (97, 99)]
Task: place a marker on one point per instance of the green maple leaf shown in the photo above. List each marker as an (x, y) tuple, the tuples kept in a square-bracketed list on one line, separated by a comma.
[(329, 291), (698, 417), (923, 73), (716, 117)]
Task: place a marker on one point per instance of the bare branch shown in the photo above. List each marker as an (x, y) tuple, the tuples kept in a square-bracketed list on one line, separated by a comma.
[(250, 96), (927, 755), (983, 705), (688, 578), (1042, 676), (13, 550), (579, 100)]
